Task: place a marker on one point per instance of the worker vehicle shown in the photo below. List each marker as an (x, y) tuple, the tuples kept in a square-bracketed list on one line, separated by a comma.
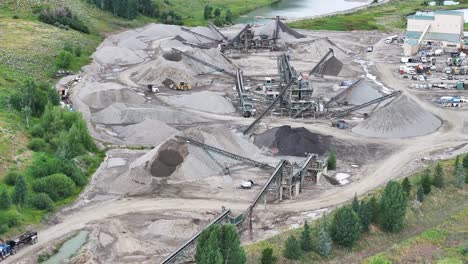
[(462, 71), (370, 48), (6, 250), (448, 70), (439, 52), (183, 86), (423, 59), (456, 71), (391, 39)]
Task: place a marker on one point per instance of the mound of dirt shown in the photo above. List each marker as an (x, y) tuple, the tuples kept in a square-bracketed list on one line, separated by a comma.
[(118, 56), (104, 98), (167, 161), (293, 141), (401, 118), (127, 114), (204, 101)]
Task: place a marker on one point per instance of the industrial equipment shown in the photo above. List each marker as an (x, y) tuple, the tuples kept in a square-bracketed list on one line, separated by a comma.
[(183, 86)]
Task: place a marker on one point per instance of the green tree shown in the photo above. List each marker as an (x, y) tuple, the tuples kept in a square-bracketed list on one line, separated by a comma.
[(58, 186), (204, 246), (324, 243), (306, 239), (231, 249), (457, 161), (42, 201), (346, 227), (355, 203), (420, 194), (213, 253), (406, 186), (64, 60), (426, 181), (77, 51), (374, 205), (70, 144), (219, 22), (465, 161), (393, 207), (207, 13), (292, 248), (229, 16), (217, 12), (267, 256), (5, 201), (20, 192), (331, 162), (365, 215), (438, 180), (460, 174)]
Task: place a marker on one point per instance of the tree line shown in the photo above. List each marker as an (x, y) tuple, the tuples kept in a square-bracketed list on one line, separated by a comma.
[(128, 9), (64, 154), (216, 14)]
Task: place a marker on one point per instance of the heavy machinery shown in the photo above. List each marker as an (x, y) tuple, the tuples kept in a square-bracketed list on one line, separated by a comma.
[(183, 86), (12, 246), (6, 250)]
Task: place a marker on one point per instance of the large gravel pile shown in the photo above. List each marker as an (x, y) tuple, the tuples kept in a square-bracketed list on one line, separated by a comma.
[(316, 50), (401, 118), (293, 141), (206, 101), (127, 114), (102, 95), (118, 56)]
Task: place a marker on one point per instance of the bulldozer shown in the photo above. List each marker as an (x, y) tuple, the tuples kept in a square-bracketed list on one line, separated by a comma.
[(182, 86)]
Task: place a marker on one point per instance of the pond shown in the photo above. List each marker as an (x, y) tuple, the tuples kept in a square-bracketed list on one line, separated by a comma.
[(294, 9), (69, 248)]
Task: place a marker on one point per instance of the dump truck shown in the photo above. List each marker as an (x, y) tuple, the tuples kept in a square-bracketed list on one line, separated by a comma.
[(183, 86)]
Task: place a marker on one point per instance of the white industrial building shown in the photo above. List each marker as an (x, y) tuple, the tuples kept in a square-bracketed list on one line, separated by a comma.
[(444, 28)]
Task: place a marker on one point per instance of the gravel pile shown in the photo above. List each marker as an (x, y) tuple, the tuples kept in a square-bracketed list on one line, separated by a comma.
[(118, 56), (401, 118), (359, 94), (149, 132), (213, 102), (127, 114), (293, 141)]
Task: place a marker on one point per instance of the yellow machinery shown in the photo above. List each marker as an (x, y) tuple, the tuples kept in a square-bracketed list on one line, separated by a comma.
[(182, 86)]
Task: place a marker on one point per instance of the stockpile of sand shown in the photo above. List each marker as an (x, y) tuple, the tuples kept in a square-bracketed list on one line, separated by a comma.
[(206, 101), (293, 141), (149, 132), (126, 114), (317, 49), (160, 31), (106, 94), (401, 118), (360, 93)]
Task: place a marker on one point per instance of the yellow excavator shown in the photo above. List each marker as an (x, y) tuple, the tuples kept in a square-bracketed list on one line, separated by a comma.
[(182, 86)]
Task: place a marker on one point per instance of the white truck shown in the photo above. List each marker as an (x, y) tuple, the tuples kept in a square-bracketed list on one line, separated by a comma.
[(391, 39)]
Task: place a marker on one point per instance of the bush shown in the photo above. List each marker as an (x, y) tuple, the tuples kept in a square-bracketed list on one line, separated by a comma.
[(379, 260), (57, 186), (64, 59), (267, 256), (10, 178), (37, 144), (5, 200), (426, 182), (438, 180), (15, 17), (42, 201), (10, 218), (20, 192), (78, 51)]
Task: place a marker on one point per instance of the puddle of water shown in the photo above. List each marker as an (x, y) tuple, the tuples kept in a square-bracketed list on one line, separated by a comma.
[(69, 248)]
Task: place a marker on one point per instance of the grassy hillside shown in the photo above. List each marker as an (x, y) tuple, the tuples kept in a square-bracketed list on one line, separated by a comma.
[(440, 222), (386, 17)]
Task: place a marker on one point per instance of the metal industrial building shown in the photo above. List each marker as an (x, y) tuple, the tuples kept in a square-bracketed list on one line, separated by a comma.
[(444, 28)]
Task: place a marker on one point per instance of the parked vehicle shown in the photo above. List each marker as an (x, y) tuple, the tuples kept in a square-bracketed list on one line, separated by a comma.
[(391, 39), (414, 78), (448, 70), (422, 78), (450, 77), (6, 250), (462, 71)]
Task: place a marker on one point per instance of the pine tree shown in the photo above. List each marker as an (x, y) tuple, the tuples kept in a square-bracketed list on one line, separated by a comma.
[(355, 203), (5, 201), (420, 194), (231, 249), (438, 180), (374, 206), (465, 162), (204, 246), (267, 256), (324, 243), (393, 207), (306, 239), (292, 248), (213, 253), (365, 215), (228, 17), (20, 191), (331, 162), (455, 164), (426, 181), (207, 12), (460, 174), (406, 186), (217, 12), (346, 227)]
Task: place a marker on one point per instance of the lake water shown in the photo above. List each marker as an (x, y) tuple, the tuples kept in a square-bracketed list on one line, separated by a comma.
[(294, 9)]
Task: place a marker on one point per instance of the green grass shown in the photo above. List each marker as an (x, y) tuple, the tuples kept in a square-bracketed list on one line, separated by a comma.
[(192, 11), (441, 205), (386, 17)]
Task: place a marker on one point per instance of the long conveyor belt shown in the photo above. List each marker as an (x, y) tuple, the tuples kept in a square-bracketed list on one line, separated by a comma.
[(378, 100)]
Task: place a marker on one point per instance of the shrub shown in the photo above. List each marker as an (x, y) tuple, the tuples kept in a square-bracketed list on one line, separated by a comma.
[(306, 240), (379, 260), (15, 17), (406, 186), (10, 218), (426, 181), (64, 59), (42, 201), (37, 144), (438, 180), (420, 194), (57, 186), (10, 178), (331, 162), (5, 200), (78, 51), (267, 256), (20, 192)]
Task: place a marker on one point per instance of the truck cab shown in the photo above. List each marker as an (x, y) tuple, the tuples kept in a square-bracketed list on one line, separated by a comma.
[(6, 250)]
